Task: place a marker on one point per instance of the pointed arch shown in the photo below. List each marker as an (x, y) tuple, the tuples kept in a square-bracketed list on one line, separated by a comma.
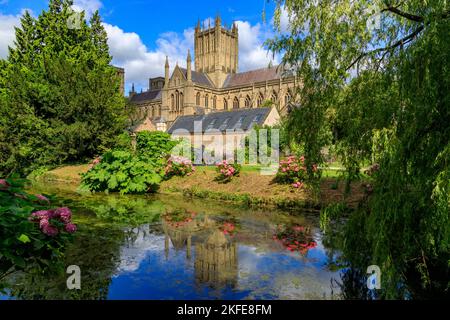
[(260, 100), (248, 102), (172, 102), (225, 104), (235, 103), (197, 99)]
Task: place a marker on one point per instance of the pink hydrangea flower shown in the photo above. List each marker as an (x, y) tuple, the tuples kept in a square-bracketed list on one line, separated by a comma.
[(4, 184), (42, 198), (50, 230), (70, 228)]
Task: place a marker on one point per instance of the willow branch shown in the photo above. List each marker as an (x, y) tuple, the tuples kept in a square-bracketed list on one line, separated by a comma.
[(403, 14), (399, 43)]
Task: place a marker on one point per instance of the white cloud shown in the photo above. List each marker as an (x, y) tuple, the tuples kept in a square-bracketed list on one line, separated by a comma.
[(89, 6), (7, 32)]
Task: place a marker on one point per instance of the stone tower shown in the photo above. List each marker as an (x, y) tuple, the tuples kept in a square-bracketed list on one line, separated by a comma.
[(216, 51)]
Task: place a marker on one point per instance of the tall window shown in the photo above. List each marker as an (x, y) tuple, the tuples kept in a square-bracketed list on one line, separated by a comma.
[(236, 103), (214, 102), (177, 97), (172, 102), (287, 98), (153, 112), (248, 102), (206, 101), (197, 99), (181, 101), (225, 104), (260, 100), (274, 97)]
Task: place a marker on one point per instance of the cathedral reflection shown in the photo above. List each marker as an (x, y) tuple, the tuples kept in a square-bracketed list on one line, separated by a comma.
[(216, 261)]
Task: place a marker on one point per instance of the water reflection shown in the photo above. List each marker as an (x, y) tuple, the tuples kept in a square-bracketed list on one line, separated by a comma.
[(189, 250)]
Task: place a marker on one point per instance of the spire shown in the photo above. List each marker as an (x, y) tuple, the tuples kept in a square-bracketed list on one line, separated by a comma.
[(189, 59), (132, 88), (218, 20), (166, 78), (188, 67), (198, 25)]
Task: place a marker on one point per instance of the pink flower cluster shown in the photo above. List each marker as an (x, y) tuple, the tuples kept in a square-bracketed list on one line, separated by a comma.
[(47, 218), (293, 170), (226, 170), (95, 162), (4, 184), (228, 228), (179, 166)]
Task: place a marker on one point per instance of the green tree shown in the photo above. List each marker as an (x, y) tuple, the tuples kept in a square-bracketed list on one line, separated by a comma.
[(380, 92), (60, 98)]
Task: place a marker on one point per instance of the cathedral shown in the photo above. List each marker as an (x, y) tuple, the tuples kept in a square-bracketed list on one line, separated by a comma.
[(213, 84)]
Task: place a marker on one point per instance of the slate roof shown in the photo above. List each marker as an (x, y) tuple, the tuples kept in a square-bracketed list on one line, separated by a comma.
[(146, 96), (258, 75), (198, 77), (243, 119)]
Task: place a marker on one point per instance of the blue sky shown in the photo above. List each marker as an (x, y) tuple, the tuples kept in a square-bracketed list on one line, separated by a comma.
[(142, 32)]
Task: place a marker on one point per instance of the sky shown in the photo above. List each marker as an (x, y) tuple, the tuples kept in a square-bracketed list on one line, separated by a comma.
[(142, 32)]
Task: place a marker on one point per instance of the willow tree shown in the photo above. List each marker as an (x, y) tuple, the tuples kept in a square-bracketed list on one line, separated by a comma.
[(376, 84)]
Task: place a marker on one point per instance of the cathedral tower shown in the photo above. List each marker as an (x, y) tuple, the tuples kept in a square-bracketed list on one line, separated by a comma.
[(216, 51)]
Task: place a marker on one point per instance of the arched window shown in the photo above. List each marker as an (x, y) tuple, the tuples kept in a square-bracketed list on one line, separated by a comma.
[(177, 96), (197, 100), (236, 103), (287, 99), (172, 102), (206, 101), (214, 102), (225, 104), (274, 97), (260, 100), (153, 112), (248, 102), (181, 101)]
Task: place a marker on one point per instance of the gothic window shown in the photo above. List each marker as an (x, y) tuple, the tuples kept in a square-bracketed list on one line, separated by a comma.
[(177, 96), (225, 104), (197, 100), (181, 101), (248, 102), (260, 100), (153, 112), (172, 102), (206, 101), (215, 102), (236, 103), (287, 98), (274, 97)]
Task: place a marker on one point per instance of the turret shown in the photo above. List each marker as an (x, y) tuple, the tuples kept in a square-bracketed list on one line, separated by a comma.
[(166, 78), (188, 66)]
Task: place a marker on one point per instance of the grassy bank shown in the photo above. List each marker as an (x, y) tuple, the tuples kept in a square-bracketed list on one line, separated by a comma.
[(250, 188)]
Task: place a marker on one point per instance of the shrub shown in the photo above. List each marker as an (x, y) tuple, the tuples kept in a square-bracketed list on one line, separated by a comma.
[(154, 144), (33, 232), (227, 171), (293, 171), (121, 171), (178, 166)]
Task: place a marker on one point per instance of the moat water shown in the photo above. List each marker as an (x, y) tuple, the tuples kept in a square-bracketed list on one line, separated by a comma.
[(172, 247)]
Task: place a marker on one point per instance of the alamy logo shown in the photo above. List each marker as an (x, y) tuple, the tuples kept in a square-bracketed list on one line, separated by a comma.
[(374, 279), (74, 20), (74, 280)]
